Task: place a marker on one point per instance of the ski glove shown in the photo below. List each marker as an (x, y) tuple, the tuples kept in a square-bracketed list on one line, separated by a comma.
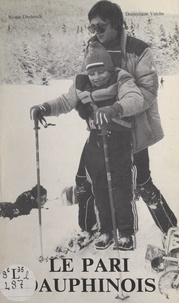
[(37, 112), (85, 97), (106, 114)]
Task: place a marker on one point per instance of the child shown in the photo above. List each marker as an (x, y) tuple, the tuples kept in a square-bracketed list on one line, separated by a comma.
[(109, 96)]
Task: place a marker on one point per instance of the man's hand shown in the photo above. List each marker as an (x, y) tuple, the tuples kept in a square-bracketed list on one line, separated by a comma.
[(105, 115), (37, 112)]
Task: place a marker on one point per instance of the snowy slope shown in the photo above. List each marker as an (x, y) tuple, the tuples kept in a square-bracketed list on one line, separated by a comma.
[(60, 149)]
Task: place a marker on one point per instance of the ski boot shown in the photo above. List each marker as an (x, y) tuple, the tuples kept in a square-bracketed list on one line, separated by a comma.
[(162, 259), (125, 242), (172, 245), (104, 241), (169, 282)]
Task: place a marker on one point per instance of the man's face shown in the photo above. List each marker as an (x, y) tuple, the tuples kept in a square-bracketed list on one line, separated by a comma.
[(109, 33), (99, 78)]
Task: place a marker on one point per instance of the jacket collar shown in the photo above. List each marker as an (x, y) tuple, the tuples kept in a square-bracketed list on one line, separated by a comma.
[(123, 41)]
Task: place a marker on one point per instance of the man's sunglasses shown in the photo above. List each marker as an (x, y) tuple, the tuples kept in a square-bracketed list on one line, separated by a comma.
[(99, 28)]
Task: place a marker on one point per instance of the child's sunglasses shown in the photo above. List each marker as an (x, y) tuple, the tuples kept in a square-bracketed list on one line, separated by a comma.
[(99, 28)]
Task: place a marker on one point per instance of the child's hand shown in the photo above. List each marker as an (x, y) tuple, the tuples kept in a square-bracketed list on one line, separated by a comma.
[(85, 97)]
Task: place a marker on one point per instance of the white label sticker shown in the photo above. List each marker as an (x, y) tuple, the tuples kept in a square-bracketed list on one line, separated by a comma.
[(17, 282)]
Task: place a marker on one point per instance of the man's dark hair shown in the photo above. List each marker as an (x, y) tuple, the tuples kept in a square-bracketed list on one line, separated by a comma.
[(107, 11)]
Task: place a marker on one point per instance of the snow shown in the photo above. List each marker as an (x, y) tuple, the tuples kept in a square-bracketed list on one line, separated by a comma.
[(60, 149)]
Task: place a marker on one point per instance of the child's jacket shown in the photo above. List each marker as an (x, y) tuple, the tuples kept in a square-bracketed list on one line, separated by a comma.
[(121, 88)]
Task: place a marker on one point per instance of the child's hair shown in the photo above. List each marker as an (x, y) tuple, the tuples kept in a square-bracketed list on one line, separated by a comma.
[(108, 11)]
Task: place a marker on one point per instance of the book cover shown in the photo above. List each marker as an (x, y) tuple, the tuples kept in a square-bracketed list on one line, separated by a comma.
[(42, 48)]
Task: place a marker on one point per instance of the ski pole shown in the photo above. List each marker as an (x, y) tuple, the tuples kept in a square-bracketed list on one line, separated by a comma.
[(36, 128), (109, 181), (111, 200)]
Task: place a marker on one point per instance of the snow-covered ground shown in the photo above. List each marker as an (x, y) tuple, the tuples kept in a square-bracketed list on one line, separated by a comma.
[(60, 148)]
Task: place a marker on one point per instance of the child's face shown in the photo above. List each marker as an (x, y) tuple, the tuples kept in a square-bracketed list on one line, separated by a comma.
[(99, 78)]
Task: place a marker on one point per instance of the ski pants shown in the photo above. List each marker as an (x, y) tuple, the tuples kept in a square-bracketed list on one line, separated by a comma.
[(121, 164), (141, 161), (162, 215)]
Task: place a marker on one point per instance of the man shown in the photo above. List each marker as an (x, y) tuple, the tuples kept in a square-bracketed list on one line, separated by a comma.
[(135, 56)]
